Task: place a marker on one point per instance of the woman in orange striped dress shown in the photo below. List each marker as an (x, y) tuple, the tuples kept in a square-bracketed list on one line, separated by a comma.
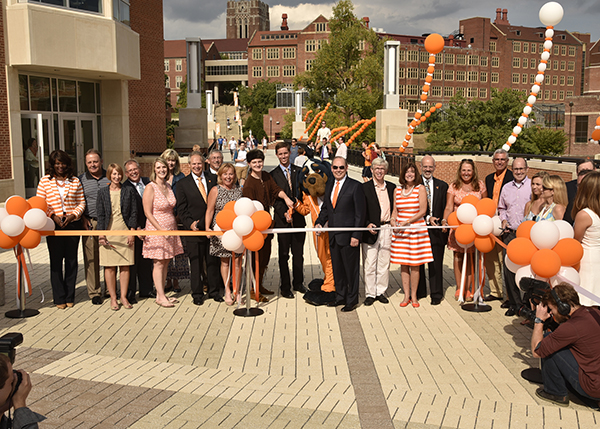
[(410, 247)]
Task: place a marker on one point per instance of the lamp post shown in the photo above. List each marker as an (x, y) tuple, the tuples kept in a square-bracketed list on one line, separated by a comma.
[(270, 128), (570, 124)]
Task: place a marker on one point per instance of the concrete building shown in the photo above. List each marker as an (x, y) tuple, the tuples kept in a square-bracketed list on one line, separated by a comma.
[(91, 71)]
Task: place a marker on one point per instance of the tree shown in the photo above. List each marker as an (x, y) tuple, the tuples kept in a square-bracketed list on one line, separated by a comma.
[(258, 100), (543, 141), (348, 70)]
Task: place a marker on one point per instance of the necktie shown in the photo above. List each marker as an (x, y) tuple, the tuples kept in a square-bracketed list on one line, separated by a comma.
[(202, 188), (140, 188), (288, 177), (335, 193), (428, 189)]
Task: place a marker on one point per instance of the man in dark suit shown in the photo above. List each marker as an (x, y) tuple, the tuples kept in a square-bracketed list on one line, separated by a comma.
[(285, 176), (344, 205), (437, 190), (493, 260), (584, 166), (141, 271), (192, 197), (377, 245)]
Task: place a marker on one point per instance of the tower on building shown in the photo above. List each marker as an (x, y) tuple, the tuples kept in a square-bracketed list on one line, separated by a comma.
[(244, 17)]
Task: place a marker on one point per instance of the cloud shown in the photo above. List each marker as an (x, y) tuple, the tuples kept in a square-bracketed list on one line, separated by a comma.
[(299, 15), (176, 29)]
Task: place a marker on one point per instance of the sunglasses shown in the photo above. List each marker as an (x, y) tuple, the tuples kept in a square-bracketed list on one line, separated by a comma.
[(547, 189), (338, 167)]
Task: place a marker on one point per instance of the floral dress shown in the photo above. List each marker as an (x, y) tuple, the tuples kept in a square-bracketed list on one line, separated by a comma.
[(167, 246)]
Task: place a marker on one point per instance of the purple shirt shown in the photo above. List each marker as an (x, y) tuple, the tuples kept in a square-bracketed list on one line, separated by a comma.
[(511, 204)]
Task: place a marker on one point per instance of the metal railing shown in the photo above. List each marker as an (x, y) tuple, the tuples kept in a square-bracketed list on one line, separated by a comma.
[(395, 160)]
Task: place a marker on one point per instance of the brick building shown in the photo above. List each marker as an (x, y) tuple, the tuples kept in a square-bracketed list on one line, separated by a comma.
[(245, 17)]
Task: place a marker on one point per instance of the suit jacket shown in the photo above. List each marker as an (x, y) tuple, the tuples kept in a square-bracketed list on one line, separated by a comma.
[(571, 194), (350, 211), (279, 207), (141, 216), (128, 207), (489, 182), (191, 206), (440, 193), (374, 208)]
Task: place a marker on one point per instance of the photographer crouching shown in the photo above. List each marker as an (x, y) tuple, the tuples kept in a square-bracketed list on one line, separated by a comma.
[(15, 386), (570, 352)]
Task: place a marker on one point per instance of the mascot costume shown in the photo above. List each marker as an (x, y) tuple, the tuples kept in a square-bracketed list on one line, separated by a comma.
[(312, 182)]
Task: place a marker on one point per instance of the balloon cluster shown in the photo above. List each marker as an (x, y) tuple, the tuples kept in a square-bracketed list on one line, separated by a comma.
[(306, 116), (23, 222), (347, 130), (243, 220), (550, 15), (596, 132), (545, 250), (434, 44), (477, 223), (361, 129)]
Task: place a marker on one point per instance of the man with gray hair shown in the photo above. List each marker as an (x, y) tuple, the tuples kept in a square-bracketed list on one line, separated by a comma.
[(494, 183), (376, 245)]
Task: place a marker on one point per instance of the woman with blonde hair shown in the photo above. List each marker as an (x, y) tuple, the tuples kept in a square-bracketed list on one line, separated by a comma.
[(554, 194), (534, 206), (586, 212)]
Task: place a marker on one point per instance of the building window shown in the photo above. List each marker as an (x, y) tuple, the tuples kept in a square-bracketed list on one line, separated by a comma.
[(461, 59), (311, 45), (289, 53), (289, 71), (533, 63), (413, 56), (571, 66), (448, 91), (516, 46), (120, 10), (167, 82), (178, 65), (437, 75), (321, 27), (541, 48), (570, 80), (483, 76), (272, 53), (555, 50), (495, 61), (422, 73), (412, 89), (256, 71), (449, 58), (563, 65), (401, 72), (473, 76), (484, 61), (561, 95), (448, 74), (546, 94), (554, 95), (516, 63), (424, 57), (571, 51), (473, 60), (166, 66), (555, 80), (515, 78), (308, 65), (257, 54), (272, 71), (178, 80), (524, 78), (562, 81), (525, 47), (482, 93), (569, 93), (533, 45), (436, 91), (555, 64), (412, 73), (401, 89), (581, 129), (563, 50), (461, 76), (401, 55), (492, 46), (495, 77), (531, 78), (87, 5), (361, 45), (472, 92)]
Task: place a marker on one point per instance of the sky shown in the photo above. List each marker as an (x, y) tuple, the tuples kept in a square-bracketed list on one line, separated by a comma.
[(206, 18)]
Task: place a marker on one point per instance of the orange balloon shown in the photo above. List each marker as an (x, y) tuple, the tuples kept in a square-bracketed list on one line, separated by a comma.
[(417, 115), (425, 88), (17, 205), (520, 251), (484, 244), (7, 242), (545, 263), (453, 219), (423, 118), (405, 144), (470, 199), (262, 220), (432, 59), (485, 206), (465, 234), (434, 43), (31, 239), (596, 135), (438, 106), (254, 241), (230, 206), (598, 121), (225, 219), (427, 114), (428, 79), (430, 69), (423, 97), (38, 203), (525, 228), (569, 251)]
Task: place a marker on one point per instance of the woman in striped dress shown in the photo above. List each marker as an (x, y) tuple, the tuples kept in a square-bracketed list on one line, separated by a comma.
[(410, 247)]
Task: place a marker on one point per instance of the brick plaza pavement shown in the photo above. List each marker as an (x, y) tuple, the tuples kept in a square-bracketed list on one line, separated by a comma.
[(296, 366)]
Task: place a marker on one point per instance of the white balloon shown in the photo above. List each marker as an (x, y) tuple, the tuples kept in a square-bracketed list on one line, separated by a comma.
[(568, 273), (50, 225), (522, 120), (497, 231), (240, 249), (539, 78), (466, 213), (511, 139), (542, 67), (258, 206), (13, 225), (531, 99), (512, 267), (545, 56), (230, 240), (517, 130), (3, 214), (565, 229), (544, 234), (483, 225), (35, 219), (243, 225), (244, 206), (551, 13), (527, 109), (549, 32), (506, 147), (548, 45), (524, 272)]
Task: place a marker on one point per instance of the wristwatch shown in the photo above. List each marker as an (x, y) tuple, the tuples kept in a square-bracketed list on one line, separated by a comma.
[(538, 320)]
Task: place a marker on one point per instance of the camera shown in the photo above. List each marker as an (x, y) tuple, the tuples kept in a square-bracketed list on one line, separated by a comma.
[(8, 342), (534, 291)]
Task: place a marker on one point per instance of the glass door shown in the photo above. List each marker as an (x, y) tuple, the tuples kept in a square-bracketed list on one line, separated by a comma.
[(34, 166), (78, 135)]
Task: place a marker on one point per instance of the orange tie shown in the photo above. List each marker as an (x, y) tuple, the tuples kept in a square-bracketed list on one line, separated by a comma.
[(202, 188), (335, 193)]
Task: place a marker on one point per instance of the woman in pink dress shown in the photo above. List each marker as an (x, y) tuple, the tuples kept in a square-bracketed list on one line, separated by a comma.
[(466, 183), (159, 202), (410, 247)]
